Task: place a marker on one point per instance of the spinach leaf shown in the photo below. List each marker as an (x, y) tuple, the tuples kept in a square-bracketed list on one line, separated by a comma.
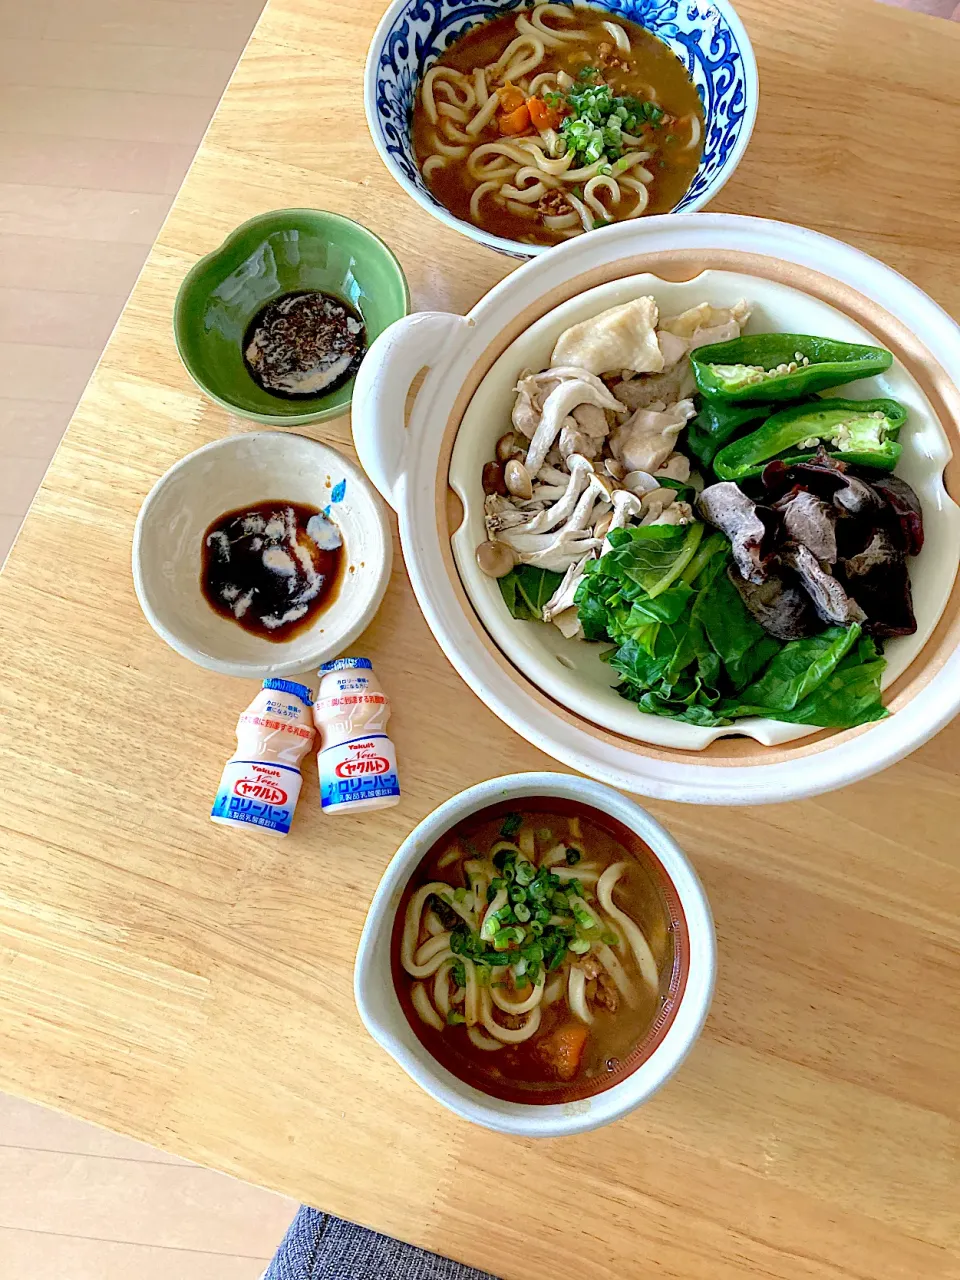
[(526, 589), (668, 607), (651, 557), (798, 669), (849, 696), (741, 643)]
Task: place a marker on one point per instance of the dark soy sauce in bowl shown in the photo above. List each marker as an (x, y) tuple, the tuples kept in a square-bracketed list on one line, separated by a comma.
[(271, 567), (304, 344)]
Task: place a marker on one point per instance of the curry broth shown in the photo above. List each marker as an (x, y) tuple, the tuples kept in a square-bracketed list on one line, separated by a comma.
[(654, 73), (617, 1042)]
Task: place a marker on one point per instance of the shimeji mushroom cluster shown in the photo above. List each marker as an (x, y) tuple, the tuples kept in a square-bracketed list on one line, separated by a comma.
[(593, 443)]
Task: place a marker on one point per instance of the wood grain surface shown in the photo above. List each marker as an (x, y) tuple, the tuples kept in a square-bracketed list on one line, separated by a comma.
[(184, 984)]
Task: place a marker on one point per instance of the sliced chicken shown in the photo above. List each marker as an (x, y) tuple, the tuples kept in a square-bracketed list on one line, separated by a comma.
[(623, 337), (678, 336), (647, 438)]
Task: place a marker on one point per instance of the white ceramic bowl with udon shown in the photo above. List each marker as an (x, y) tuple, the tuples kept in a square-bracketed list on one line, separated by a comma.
[(383, 1015), (409, 459), (706, 35), (238, 471)]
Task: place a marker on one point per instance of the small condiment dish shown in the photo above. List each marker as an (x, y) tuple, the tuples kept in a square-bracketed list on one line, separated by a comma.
[(269, 256), (694, 942), (232, 473)]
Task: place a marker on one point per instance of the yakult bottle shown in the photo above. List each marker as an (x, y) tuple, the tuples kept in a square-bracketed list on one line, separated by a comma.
[(261, 782), (357, 761)]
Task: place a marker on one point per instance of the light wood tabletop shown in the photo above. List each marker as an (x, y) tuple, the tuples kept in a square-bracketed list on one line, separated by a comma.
[(192, 987)]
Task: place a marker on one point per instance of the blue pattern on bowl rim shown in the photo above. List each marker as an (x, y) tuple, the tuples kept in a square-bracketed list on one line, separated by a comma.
[(706, 36)]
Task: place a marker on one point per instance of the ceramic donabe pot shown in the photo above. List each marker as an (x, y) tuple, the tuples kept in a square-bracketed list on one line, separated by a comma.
[(410, 463)]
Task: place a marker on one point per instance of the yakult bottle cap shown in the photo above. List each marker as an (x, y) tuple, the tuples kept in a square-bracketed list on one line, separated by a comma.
[(301, 691), (345, 664)]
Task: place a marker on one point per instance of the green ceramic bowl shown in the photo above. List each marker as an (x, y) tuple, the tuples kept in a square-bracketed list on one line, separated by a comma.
[(274, 254)]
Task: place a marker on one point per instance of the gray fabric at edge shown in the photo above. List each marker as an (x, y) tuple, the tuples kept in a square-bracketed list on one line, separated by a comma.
[(318, 1247)]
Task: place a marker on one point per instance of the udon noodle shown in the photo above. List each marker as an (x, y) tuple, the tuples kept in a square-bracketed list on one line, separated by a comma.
[(536, 947), (503, 127)]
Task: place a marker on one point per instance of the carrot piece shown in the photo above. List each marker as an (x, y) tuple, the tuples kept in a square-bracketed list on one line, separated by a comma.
[(510, 97), (543, 117), (562, 1050), (517, 121)]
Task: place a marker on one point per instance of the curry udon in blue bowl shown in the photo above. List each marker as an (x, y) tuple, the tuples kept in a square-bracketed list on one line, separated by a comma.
[(525, 124)]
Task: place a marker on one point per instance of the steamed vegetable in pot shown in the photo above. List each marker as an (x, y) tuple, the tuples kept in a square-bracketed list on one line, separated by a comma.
[(763, 584)]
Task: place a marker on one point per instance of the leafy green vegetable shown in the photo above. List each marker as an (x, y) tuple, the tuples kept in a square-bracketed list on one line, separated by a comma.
[(642, 563), (686, 646), (526, 589), (739, 641), (800, 667), (511, 824), (847, 692)]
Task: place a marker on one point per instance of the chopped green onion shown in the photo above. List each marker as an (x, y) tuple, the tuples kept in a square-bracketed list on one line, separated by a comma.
[(525, 872), (573, 856), (544, 835), (459, 975), (520, 968), (583, 918), (459, 895), (580, 946), (455, 1019), (611, 939), (522, 912), (504, 938), (512, 822)]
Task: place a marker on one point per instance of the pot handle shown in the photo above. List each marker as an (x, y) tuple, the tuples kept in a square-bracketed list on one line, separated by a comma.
[(381, 389)]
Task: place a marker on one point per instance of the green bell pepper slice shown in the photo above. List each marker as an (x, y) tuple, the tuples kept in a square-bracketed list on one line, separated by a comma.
[(719, 422), (862, 432), (781, 366)]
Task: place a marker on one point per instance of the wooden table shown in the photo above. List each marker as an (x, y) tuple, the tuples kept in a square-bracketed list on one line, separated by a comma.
[(182, 983)]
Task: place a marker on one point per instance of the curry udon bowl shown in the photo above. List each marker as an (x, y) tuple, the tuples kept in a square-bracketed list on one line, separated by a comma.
[(410, 461), (649, 1041), (708, 38)]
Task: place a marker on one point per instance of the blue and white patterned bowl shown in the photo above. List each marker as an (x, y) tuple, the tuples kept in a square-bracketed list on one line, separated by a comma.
[(706, 35)]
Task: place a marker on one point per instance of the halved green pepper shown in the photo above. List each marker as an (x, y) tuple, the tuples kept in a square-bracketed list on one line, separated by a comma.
[(781, 366), (861, 432), (719, 422)]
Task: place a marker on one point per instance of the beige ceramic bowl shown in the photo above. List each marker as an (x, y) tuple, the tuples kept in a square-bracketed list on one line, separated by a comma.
[(231, 473)]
